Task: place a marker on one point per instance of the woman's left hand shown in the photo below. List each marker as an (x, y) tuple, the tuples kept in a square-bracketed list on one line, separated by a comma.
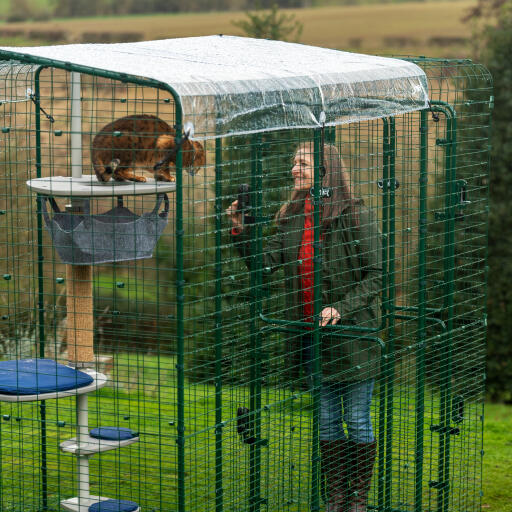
[(329, 316)]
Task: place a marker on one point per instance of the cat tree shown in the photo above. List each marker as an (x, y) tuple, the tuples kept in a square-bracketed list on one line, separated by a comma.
[(82, 240)]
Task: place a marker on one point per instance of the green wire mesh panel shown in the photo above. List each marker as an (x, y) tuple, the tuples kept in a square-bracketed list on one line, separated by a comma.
[(205, 344)]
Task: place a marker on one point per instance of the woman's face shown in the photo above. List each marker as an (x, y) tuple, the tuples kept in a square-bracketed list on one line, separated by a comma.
[(303, 171)]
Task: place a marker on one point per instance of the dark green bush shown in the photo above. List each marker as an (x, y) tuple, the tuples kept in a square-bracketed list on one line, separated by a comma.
[(499, 354)]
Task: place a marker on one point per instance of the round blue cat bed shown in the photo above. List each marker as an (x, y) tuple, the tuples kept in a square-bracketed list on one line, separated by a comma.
[(113, 433), (114, 506), (36, 376), (41, 379)]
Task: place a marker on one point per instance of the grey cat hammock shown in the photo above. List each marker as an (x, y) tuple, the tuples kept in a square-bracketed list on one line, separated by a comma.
[(114, 236)]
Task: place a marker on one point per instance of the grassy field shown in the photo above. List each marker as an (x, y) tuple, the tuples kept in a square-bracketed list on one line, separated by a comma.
[(498, 455), (430, 28)]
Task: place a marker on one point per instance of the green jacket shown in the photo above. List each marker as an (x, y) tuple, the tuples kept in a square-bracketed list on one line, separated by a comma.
[(351, 283)]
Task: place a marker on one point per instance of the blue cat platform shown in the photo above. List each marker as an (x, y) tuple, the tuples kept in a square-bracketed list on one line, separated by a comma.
[(100, 439), (26, 380)]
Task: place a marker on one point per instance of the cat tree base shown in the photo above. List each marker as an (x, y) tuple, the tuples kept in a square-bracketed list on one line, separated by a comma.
[(83, 504)]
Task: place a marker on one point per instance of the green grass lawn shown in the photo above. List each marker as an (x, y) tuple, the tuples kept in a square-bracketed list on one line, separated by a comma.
[(497, 459), (145, 399)]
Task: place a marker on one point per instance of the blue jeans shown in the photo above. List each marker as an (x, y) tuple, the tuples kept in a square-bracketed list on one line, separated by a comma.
[(348, 402)]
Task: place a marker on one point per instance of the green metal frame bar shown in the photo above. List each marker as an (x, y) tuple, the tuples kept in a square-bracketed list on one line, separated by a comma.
[(432, 320), (386, 312), (317, 304), (40, 290), (256, 280), (416, 309), (180, 327), (332, 328), (88, 70), (422, 305), (389, 375), (277, 328), (443, 483), (219, 491), (386, 308), (486, 280)]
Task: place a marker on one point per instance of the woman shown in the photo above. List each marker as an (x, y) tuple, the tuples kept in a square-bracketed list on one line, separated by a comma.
[(351, 281)]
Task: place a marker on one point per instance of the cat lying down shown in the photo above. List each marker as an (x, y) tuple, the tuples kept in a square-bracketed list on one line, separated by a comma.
[(141, 143)]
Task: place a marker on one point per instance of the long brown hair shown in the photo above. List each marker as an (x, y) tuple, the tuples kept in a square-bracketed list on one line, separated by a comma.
[(336, 179)]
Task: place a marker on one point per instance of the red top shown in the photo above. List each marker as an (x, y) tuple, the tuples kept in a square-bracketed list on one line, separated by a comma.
[(306, 253)]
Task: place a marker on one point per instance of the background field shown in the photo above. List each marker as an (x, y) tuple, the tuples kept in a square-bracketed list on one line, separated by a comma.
[(429, 28)]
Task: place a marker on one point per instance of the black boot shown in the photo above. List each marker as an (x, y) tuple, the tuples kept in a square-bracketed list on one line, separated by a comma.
[(334, 470), (362, 460)]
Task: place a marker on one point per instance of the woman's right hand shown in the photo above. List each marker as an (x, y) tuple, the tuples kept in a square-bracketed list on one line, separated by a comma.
[(236, 216)]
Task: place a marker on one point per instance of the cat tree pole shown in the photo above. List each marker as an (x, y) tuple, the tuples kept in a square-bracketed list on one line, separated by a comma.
[(79, 302), (79, 299)]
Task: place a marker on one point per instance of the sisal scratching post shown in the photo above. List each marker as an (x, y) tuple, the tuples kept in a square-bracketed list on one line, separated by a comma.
[(80, 320)]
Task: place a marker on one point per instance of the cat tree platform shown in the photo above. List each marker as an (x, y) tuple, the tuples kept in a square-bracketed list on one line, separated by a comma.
[(28, 380), (88, 186)]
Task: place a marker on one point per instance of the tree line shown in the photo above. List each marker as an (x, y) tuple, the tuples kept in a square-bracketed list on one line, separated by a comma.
[(493, 44), (21, 10)]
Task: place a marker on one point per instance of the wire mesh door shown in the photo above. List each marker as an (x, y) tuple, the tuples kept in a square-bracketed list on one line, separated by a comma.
[(294, 373)]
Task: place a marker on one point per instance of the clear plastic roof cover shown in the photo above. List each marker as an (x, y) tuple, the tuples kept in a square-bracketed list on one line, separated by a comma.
[(250, 85)]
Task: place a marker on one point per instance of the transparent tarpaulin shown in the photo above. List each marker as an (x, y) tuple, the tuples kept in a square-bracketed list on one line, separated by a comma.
[(251, 85)]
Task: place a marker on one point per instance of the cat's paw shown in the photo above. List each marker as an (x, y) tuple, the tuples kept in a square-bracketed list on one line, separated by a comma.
[(163, 177)]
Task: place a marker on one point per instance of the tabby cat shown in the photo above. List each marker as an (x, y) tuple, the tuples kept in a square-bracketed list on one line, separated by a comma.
[(141, 142)]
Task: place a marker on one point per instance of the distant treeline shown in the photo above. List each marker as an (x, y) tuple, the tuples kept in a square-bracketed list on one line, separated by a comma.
[(21, 10), (104, 7)]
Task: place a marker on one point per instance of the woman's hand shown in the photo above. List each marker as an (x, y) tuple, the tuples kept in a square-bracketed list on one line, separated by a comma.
[(329, 316), (235, 216)]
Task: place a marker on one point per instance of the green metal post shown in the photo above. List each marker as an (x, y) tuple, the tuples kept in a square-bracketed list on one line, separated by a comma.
[(444, 430), (390, 359), (385, 314), (218, 326), (180, 309), (255, 499), (422, 304), (40, 290), (317, 305), (444, 445)]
